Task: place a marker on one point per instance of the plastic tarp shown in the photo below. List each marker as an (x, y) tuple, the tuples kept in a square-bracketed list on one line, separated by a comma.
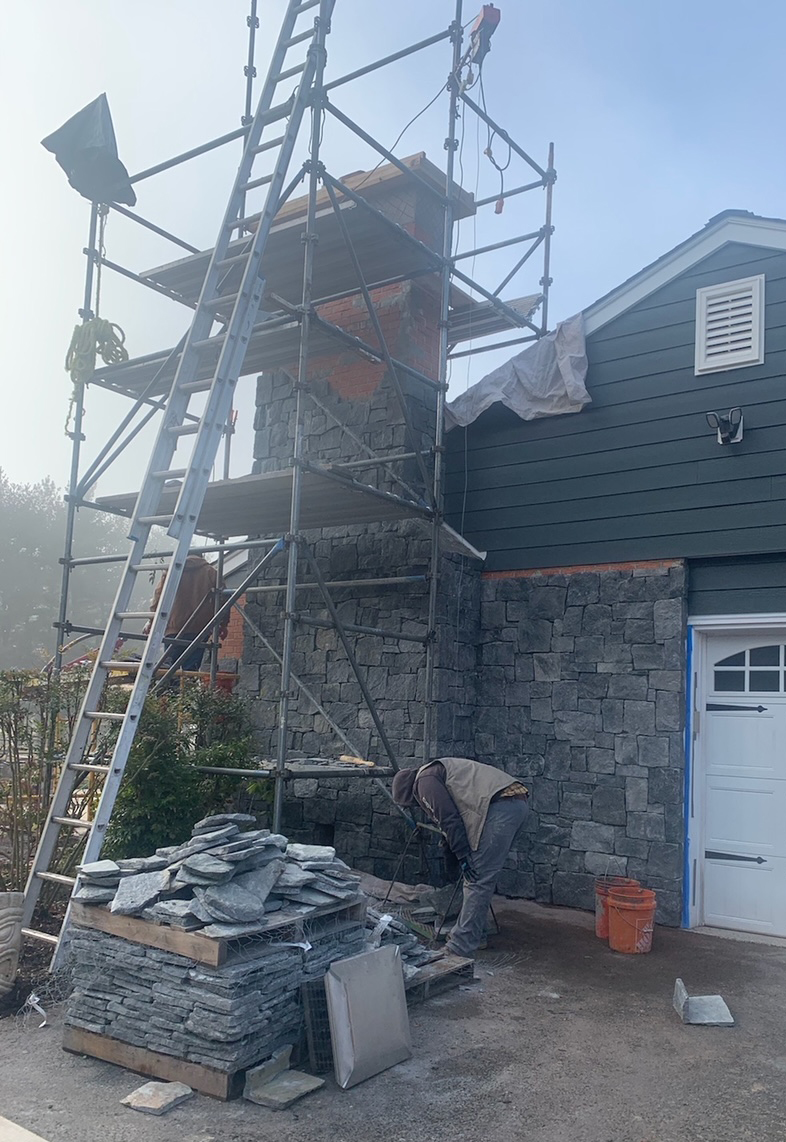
[(85, 148), (547, 379)]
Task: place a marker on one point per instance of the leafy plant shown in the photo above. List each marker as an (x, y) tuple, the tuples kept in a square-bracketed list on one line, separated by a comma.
[(37, 713), (163, 791)]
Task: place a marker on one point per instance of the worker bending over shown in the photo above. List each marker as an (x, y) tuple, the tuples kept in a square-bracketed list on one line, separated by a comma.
[(479, 810), (192, 610)]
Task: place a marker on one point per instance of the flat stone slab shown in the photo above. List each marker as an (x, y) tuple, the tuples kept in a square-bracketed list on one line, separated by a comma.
[(207, 866), (94, 894), (258, 1077), (232, 931), (208, 824), (258, 859), (231, 903), (312, 896), (704, 1010), (285, 1089), (260, 881), (142, 864), (311, 852), (136, 892), (293, 876), (100, 868), (178, 913), (157, 1098), (195, 906), (199, 844)]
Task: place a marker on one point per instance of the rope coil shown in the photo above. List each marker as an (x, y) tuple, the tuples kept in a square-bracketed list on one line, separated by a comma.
[(95, 337)]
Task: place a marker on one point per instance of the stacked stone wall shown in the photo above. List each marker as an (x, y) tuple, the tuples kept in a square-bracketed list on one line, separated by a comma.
[(582, 692)]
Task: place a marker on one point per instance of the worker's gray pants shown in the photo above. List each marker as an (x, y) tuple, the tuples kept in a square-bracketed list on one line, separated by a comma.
[(505, 818)]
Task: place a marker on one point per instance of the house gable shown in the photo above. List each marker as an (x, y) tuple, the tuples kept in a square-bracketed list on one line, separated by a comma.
[(638, 474), (732, 226)]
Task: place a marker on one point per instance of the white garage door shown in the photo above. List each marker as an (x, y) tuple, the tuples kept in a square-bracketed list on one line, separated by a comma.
[(743, 750)]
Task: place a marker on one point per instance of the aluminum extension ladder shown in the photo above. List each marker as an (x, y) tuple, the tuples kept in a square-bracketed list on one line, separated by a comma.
[(207, 430)]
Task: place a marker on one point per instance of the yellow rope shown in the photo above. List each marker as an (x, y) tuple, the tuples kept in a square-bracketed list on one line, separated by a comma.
[(96, 336)]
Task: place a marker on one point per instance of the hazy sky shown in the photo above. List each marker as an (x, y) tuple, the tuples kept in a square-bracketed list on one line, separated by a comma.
[(662, 115)]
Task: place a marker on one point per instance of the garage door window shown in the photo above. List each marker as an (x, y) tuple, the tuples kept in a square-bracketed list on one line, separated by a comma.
[(759, 670)]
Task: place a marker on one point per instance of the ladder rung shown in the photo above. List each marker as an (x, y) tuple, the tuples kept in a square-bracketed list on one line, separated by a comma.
[(263, 180), (155, 520), (225, 263), (304, 7), (85, 767), (170, 474), (242, 222), (184, 429), (72, 822), (44, 937), (220, 302), (300, 37), (119, 664), (103, 715), (136, 614), (282, 75), (57, 878), (268, 146), (197, 386), (209, 342)]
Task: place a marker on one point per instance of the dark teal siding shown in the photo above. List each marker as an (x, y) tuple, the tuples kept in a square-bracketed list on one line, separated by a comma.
[(739, 585), (637, 474)]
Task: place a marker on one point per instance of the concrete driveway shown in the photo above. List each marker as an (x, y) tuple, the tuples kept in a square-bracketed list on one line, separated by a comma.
[(559, 1040)]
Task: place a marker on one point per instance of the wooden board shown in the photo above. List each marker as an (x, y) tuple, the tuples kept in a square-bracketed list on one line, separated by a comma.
[(442, 975), (217, 1084), (192, 945)]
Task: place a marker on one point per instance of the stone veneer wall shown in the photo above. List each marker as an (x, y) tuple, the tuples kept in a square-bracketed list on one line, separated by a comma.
[(357, 818), (582, 692), (353, 814)]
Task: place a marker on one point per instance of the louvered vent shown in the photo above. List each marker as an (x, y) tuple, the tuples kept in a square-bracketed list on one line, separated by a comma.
[(730, 325)]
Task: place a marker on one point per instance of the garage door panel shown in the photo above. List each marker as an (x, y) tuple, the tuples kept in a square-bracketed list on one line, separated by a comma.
[(742, 743), (746, 817), (749, 897)]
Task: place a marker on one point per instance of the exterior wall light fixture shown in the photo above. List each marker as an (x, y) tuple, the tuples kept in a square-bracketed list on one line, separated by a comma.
[(728, 425)]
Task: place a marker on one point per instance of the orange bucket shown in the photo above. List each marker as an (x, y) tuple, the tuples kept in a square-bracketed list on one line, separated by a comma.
[(604, 885), (631, 920)]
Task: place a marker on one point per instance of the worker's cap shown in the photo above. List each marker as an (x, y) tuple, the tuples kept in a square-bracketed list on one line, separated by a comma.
[(403, 788)]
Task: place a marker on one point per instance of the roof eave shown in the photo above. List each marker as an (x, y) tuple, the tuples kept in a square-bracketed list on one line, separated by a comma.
[(768, 233)]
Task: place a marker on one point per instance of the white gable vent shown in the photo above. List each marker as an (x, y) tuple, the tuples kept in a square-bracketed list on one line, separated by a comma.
[(730, 325)]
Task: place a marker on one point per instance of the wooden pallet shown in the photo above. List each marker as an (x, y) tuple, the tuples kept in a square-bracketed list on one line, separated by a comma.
[(194, 946), (208, 1080), (432, 979)]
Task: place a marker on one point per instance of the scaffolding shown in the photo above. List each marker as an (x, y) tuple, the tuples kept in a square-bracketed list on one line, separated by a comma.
[(351, 248)]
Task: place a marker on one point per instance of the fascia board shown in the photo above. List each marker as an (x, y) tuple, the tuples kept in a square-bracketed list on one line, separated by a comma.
[(769, 234)]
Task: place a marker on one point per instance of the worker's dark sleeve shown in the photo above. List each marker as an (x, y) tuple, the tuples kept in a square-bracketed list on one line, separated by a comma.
[(432, 794)]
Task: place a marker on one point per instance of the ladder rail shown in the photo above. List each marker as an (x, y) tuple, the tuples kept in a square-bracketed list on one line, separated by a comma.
[(196, 474)]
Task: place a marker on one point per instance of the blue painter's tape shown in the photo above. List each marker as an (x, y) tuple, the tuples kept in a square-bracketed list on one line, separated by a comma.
[(686, 876)]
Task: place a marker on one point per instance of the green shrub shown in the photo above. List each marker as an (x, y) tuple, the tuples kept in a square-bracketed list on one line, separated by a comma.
[(163, 793)]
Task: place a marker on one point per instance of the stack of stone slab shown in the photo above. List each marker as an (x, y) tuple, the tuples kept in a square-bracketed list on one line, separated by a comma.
[(227, 1017), (163, 994), (222, 882)]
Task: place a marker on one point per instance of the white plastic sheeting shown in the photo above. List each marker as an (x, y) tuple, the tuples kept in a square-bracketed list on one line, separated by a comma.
[(546, 379)]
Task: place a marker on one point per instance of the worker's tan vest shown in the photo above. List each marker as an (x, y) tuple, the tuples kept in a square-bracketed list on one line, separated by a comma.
[(472, 786)]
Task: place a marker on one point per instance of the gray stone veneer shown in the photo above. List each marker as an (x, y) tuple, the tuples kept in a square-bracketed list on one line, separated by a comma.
[(582, 692), (574, 681)]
